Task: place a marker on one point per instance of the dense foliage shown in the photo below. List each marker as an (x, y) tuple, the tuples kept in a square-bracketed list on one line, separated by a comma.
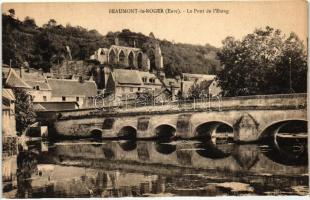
[(199, 90), (260, 64), (24, 112), (42, 47)]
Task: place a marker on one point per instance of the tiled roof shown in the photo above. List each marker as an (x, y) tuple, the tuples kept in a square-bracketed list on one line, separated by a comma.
[(42, 84), (8, 94), (14, 81), (149, 75), (123, 76), (67, 87), (33, 76), (55, 106), (38, 107)]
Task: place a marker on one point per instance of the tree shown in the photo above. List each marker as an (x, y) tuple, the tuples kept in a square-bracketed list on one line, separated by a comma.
[(51, 23), (29, 22), (199, 90), (12, 12), (24, 111), (259, 64)]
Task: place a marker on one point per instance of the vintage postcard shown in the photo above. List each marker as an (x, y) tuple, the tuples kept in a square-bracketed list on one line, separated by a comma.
[(154, 99)]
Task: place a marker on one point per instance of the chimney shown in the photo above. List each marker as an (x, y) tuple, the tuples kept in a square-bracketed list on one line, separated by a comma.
[(22, 71)]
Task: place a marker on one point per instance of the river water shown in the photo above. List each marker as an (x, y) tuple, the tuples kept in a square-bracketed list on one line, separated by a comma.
[(89, 168)]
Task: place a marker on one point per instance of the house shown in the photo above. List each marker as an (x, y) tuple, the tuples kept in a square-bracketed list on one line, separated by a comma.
[(12, 80), (40, 89), (8, 113), (33, 80), (68, 90), (122, 82), (191, 80)]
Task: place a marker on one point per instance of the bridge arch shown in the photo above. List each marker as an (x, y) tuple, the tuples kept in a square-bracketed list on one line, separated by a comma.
[(293, 125), (212, 129), (96, 133), (288, 141), (165, 132), (127, 132)]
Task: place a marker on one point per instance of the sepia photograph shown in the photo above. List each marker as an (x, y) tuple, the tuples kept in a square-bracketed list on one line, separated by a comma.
[(154, 99)]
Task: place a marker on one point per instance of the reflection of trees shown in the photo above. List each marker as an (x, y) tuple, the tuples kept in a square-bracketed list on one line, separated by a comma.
[(27, 165)]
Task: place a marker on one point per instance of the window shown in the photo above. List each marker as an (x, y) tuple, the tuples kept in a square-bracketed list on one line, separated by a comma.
[(152, 80), (63, 98), (139, 88), (144, 79), (77, 98), (37, 87), (131, 89), (44, 98)]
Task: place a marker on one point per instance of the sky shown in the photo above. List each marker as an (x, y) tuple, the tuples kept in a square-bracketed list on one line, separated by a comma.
[(194, 28)]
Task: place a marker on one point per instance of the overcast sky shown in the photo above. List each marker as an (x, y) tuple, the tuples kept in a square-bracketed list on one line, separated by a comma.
[(212, 28)]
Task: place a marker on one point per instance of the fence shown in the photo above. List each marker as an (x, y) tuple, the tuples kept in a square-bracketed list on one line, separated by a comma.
[(214, 103)]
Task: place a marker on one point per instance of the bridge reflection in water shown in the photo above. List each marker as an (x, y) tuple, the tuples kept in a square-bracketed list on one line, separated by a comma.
[(151, 168)]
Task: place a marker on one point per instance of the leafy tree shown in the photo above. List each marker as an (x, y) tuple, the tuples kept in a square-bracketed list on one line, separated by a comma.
[(259, 64), (51, 23), (44, 47), (12, 12), (199, 90), (24, 111), (30, 22)]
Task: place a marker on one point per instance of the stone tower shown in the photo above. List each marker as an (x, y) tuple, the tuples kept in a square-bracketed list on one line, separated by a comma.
[(158, 57)]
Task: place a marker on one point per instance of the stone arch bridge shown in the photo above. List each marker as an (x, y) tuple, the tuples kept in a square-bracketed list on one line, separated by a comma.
[(250, 119)]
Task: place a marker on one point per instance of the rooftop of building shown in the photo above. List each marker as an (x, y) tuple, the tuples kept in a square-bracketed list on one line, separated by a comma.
[(67, 87), (8, 94), (55, 106), (125, 76), (12, 79)]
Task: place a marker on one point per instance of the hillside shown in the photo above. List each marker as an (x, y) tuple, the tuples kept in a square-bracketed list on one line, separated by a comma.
[(42, 47)]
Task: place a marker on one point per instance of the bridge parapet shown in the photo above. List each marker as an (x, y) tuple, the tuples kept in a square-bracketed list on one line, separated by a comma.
[(277, 101)]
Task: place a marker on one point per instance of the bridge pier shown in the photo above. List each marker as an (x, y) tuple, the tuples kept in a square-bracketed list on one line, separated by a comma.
[(246, 129)]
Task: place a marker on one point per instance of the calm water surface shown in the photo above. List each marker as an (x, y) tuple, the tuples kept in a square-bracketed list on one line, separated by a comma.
[(87, 168)]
